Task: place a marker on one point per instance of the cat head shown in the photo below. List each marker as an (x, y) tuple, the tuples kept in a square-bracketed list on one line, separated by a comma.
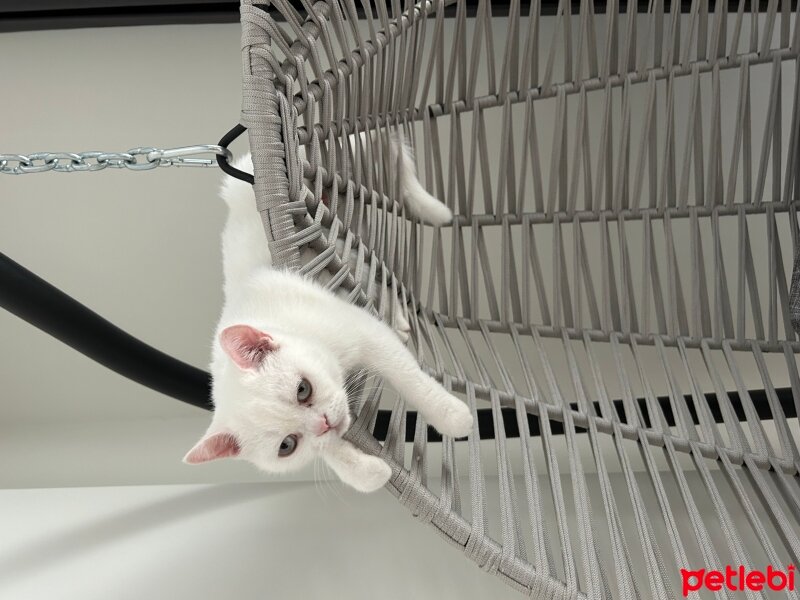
[(279, 400)]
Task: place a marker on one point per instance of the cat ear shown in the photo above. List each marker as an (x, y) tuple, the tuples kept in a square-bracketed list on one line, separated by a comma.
[(212, 446), (247, 346)]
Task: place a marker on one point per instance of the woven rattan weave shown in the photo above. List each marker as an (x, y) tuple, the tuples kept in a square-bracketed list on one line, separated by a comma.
[(625, 184)]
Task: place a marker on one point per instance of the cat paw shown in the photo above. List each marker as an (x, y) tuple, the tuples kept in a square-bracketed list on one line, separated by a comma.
[(403, 334), (362, 472), (438, 214), (454, 419), (373, 473), (458, 420), (401, 326)]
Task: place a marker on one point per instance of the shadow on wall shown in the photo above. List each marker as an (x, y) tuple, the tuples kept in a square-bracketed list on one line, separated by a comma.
[(53, 548)]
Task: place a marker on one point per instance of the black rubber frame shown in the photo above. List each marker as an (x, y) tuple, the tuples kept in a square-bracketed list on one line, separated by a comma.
[(44, 306)]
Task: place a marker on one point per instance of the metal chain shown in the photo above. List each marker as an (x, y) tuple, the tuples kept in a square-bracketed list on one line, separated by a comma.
[(136, 159)]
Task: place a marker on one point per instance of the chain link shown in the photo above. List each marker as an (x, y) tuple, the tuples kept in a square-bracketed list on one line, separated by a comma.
[(136, 159)]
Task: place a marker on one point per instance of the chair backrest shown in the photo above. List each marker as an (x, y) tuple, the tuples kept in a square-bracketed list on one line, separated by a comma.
[(625, 185)]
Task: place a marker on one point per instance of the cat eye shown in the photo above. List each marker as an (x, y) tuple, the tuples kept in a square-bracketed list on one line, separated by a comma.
[(288, 445), (304, 391)]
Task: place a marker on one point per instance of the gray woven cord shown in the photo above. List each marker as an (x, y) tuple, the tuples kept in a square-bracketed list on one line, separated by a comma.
[(794, 300), (621, 281)]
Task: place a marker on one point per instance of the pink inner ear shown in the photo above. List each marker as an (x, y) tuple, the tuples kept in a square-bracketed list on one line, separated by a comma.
[(246, 345), (212, 447)]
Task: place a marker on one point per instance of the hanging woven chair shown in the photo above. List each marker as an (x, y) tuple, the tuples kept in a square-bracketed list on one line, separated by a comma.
[(615, 286)]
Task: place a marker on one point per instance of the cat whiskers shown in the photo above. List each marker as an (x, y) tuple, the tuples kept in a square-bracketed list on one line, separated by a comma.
[(355, 384), (359, 378), (365, 392), (357, 387), (332, 482), (317, 480)]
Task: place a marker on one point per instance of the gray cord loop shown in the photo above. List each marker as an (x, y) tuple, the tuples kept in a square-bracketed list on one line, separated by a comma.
[(136, 159)]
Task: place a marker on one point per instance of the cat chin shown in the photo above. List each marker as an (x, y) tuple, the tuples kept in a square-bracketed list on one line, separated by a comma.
[(323, 442)]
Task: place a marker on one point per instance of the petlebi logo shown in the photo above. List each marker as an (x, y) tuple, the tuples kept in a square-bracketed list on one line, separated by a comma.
[(738, 579)]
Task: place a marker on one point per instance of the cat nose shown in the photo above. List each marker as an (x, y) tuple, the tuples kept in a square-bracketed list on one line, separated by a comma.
[(324, 425)]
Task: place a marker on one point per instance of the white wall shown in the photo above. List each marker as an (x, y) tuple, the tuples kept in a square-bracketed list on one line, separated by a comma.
[(139, 248)]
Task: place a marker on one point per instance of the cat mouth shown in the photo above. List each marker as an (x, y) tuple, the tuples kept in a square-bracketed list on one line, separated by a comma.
[(337, 428)]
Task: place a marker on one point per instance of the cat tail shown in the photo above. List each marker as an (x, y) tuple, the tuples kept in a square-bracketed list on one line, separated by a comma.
[(417, 199)]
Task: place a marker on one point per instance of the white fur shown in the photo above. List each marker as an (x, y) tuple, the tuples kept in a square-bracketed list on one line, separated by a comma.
[(316, 335), (416, 197)]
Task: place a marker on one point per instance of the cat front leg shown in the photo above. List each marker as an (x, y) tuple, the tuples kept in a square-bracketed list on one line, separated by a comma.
[(449, 415), (386, 354), (361, 471)]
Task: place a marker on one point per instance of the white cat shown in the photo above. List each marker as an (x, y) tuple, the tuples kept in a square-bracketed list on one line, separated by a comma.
[(284, 345)]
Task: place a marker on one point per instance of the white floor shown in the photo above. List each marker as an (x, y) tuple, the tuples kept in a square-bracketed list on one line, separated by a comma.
[(233, 541)]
